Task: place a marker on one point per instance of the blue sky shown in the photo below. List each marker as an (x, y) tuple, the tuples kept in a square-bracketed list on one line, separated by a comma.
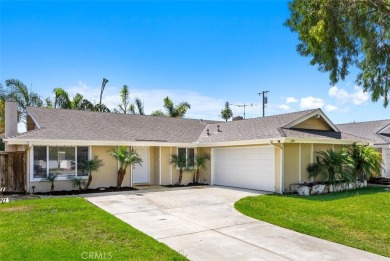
[(204, 52)]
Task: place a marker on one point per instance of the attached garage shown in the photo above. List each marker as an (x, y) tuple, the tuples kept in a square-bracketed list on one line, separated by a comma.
[(244, 167)]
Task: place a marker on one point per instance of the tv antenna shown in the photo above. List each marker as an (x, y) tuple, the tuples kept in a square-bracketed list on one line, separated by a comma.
[(265, 99), (243, 106)]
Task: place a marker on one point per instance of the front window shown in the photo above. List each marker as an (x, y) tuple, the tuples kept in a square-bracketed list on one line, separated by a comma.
[(40, 161), (82, 156), (62, 161), (65, 161), (189, 153)]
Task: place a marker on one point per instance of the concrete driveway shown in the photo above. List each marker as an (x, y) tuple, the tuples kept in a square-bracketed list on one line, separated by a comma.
[(202, 224)]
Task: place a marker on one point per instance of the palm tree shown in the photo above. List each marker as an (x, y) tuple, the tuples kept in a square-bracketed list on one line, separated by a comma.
[(177, 111), (227, 112), (125, 105), (51, 178), (367, 161), (200, 163), (77, 182), (180, 161), (139, 105), (90, 166), (19, 92), (61, 99), (332, 166), (126, 158)]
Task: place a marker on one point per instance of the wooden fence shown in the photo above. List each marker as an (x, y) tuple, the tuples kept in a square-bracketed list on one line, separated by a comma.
[(13, 171)]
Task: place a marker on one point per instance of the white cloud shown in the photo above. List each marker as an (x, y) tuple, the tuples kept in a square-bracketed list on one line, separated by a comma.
[(330, 108), (311, 103), (284, 107), (291, 100), (357, 97)]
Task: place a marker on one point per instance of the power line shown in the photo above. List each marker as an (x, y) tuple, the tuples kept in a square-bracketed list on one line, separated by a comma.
[(244, 106)]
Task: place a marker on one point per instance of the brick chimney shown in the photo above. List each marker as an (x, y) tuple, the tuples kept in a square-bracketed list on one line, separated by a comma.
[(11, 118)]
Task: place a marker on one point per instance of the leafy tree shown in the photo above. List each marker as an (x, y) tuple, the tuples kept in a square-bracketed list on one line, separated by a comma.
[(180, 161), (332, 166), (177, 111), (367, 161), (200, 163), (19, 92), (126, 158), (159, 113), (91, 166), (338, 35), (227, 112)]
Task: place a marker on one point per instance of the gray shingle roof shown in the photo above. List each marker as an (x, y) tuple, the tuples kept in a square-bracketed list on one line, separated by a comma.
[(59, 124), (367, 130), (262, 128)]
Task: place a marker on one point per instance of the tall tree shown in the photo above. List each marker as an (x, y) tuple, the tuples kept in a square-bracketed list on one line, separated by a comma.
[(63, 101), (227, 112), (176, 111), (125, 105), (101, 106), (19, 92), (338, 35)]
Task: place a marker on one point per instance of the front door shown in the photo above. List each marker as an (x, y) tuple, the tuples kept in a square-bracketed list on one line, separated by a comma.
[(141, 173)]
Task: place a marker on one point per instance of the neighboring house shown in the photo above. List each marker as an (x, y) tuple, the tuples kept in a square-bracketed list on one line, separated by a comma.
[(376, 133), (267, 153)]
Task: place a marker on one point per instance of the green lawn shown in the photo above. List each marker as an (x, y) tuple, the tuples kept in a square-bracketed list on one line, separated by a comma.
[(72, 229), (358, 218)]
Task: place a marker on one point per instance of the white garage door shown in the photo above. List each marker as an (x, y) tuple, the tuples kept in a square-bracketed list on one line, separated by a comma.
[(245, 167), (386, 161)]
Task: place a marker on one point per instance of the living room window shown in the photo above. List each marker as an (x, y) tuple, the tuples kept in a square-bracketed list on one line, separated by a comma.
[(63, 160), (189, 153)]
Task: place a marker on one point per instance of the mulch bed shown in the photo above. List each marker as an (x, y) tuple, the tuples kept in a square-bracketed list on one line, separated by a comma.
[(77, 192), (380, 181)]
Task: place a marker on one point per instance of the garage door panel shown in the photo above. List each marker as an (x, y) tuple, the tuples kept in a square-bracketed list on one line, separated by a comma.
[(246, 167)]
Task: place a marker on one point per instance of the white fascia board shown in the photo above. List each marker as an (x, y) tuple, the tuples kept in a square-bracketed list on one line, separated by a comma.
[(381, 145), (242, 143), (321, 141), (95, 143), (317, 112)]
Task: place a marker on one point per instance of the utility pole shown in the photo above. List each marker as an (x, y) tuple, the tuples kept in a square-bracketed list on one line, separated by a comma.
[(265, 99), (242, 105)]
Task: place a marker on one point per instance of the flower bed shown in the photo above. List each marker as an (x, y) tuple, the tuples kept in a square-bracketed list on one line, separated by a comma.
[(315, 188)]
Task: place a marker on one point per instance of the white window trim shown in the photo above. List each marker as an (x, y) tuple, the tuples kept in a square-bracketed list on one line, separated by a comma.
[(32, 179), (186, 148)]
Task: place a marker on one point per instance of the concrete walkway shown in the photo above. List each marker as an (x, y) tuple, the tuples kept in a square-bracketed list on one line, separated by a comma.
[(202, 224)]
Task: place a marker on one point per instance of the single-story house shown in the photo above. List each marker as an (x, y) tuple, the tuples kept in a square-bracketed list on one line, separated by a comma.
[(268, 153)]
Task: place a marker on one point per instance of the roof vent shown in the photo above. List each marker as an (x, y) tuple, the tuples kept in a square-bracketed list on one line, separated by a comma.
[(219, 130), (208, 132)]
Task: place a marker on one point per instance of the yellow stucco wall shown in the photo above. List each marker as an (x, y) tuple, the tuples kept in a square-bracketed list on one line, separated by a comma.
[(291, 164), (314, 124), (205, 174)]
